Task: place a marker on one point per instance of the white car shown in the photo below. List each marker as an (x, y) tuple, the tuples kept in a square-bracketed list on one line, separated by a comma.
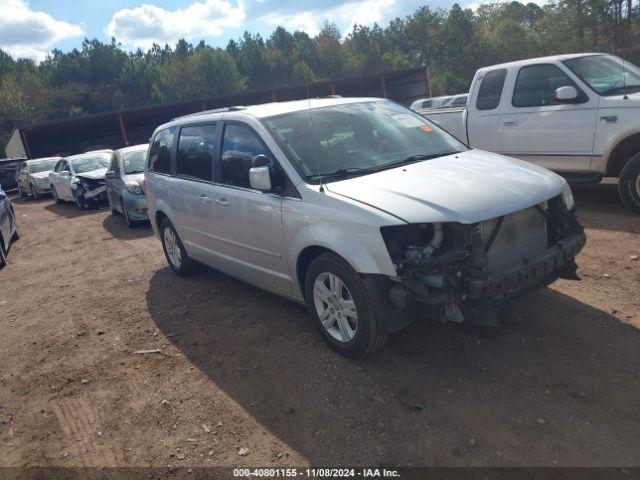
[(32, 176), (578, 115), (80, 178), (361, 209)]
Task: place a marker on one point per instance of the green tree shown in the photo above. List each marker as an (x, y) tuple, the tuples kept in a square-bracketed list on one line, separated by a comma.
[(302, 74), (216, 72)]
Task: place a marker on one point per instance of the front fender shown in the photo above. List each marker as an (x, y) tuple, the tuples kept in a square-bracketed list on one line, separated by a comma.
[(364, 251)]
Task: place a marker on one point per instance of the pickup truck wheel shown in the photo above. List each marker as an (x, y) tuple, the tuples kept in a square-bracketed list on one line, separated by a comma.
[(341, 307), (54, 194), (177, 256), (629, 184)]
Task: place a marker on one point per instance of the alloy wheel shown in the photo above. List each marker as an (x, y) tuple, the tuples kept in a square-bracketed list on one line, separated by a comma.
[(335, 307), (172, 248)]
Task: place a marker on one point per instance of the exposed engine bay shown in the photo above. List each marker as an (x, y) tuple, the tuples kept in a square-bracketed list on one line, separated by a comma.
[(89, 191), (457, 272)]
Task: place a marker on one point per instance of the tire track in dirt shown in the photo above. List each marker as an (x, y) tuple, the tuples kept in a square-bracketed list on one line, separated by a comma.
[(81, 425)]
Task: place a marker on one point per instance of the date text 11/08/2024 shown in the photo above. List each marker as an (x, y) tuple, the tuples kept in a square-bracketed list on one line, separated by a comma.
[(316, 472)]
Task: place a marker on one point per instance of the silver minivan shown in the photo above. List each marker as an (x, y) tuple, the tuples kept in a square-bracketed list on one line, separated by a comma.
[(361, 209)]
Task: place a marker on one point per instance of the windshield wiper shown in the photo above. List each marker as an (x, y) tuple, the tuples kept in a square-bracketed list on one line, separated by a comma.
[(620, 89), (345, 172), (422, 156)]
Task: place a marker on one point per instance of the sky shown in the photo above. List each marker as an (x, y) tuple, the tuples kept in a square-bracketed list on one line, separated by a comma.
[(32, 28)]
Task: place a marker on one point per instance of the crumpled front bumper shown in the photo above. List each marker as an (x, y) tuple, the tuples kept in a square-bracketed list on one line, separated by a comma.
[(537, 271)]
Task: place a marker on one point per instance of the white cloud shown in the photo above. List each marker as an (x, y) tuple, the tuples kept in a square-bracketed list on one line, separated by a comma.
[(144, 25), (26, 33), (345, 16)]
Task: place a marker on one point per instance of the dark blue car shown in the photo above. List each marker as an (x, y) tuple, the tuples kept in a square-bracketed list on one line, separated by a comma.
[(8, 226)]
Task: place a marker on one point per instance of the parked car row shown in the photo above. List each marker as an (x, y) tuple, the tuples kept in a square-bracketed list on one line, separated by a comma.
[(101, 177), (435, 103)]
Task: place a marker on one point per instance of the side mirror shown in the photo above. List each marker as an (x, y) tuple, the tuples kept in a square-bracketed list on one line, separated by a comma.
[(566, 94), (260, 173), (110, 175)]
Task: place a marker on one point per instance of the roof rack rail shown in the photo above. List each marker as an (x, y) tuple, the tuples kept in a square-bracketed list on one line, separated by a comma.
[(233, 108)]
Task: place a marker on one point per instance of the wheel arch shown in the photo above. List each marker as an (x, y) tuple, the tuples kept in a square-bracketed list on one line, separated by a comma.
[(622, 152)]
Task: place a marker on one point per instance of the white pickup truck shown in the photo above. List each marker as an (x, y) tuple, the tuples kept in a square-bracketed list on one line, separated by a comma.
[(578, 115)]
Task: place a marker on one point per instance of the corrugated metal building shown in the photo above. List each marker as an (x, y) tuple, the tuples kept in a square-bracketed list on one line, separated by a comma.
[(135, 125)]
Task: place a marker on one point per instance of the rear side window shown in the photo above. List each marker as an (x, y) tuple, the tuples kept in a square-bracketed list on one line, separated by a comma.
[(536, 86), (239, 147), (491, 89), (160, 151), (195, 151)]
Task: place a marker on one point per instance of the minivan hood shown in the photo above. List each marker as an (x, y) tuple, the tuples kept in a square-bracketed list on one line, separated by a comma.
[(93, 174), (467, 187)]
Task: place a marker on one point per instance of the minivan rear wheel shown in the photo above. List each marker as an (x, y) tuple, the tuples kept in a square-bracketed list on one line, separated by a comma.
[(174, 251), (341, 307)]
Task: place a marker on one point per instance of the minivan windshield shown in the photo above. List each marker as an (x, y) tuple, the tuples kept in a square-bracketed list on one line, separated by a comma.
[(133, 162), (42, 165), (330, 143), (88, 164), (606, 74)]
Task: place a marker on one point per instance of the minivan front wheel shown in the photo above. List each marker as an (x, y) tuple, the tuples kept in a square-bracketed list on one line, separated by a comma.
[(176, 255), (341, 307)]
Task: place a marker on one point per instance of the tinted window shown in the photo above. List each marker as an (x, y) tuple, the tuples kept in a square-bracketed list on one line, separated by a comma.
[(160, 151), (536, 86), (239, 147), (195, 151), (491, 89)]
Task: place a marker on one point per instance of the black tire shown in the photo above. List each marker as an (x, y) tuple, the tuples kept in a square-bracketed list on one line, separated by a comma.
[(79, 203), (130, 223), (187, 266), (368, 335), (34, 193), (56, 198), (3, 255), (21, 193), (629, 184)]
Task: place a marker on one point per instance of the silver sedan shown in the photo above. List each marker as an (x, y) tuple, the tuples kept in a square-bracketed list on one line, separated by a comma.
[(123, 182)]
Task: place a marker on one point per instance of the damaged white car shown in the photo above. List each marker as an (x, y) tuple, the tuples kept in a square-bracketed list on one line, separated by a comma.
[(80, 179), (360, 208)]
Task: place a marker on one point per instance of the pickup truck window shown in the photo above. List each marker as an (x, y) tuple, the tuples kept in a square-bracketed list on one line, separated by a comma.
[(490, 90), (536, 86), (605, 74)]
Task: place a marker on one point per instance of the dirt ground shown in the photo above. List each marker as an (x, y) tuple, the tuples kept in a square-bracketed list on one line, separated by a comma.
[(243, 379)]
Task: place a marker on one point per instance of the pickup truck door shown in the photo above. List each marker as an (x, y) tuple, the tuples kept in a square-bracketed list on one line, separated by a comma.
[(536, 127), (483, 112)]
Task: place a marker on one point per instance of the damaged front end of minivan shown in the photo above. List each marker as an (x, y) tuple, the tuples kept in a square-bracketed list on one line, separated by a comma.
[(468, 272)]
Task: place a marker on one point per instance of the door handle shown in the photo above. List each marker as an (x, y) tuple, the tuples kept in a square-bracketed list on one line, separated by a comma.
[(204, 198), (222, 202), (510, 123)]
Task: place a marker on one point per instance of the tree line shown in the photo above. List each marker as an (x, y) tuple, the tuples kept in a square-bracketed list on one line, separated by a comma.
[(453, 43)]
